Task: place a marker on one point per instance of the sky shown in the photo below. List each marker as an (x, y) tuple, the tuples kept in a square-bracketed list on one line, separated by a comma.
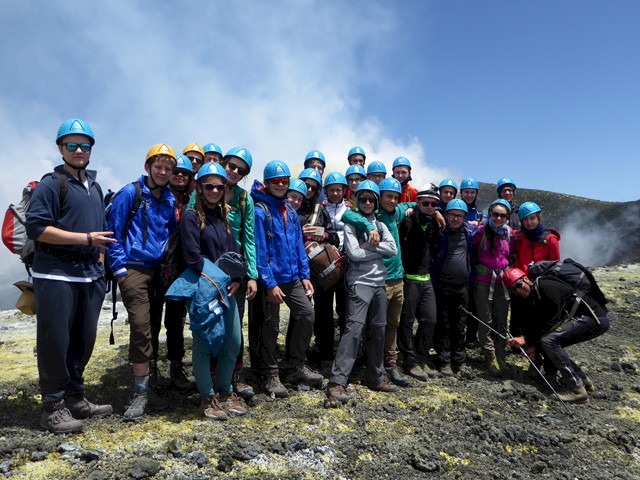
[(543, 92)]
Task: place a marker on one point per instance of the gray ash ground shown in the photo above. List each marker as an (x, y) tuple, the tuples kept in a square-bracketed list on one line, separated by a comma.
[(468, 427)]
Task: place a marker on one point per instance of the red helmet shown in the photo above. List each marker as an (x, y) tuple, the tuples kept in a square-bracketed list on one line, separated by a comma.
[(511, 276)]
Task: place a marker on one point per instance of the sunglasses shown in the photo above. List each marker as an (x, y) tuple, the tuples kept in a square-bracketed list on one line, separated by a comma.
[(72, 147), (234, 166), (199, 161), (209, 187), (429, 204), (313, 188), (280, 181), (499, 215), (356, 179), (366, 200), (180, 171)]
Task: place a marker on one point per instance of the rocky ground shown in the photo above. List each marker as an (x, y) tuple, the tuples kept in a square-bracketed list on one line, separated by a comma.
[(473, 426)]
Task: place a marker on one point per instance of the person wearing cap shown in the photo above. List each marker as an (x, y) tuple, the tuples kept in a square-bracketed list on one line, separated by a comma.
[(401, 171), (495, 243), (206, 233), (71, 235), (390, 214), (419, 239), (212, 153), (558, 316), (452, 278), (506, 189), (284, 277), (181, 185), (356, 156), (237, 164), (366, 300), (135, 262), (195, 153)]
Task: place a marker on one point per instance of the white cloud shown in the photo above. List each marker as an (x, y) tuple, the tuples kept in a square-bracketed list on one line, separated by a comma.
[(279, 78)]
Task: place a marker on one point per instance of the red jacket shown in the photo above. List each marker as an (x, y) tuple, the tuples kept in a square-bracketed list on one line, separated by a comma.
[(527, 252), (409, 194)]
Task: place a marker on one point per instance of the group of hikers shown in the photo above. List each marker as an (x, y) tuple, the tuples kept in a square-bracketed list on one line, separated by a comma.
[(417, 270)]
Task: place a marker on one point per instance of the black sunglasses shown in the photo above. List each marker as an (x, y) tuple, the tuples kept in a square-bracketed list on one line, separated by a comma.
[(234, 166)]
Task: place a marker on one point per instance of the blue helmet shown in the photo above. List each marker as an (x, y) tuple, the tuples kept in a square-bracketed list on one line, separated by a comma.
[(376, 167), (356, 151), (242, 153), (299, 186), (315, 155), (390, 185), (184, 163), (502, 202), (211, 168), (469, 183), (503, 182), (355, 169), (312, 174), (275, 169), (401, 162), (75, 126), (335, 178), (212, 148), (528, 208), (368, 186), (457, 204), (448, 182)]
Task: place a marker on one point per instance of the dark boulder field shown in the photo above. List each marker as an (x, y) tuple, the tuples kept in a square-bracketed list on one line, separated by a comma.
[(471, 426)]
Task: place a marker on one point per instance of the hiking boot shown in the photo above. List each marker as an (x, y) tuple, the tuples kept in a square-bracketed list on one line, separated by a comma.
[(588, 384), (337, 393), (491, 362), (57, 418), (233, 403), (578, 395), (385, 386), (457, 367), (138, 404), (240, 386), (303, 374), (395, 377), (211, 408), (446, 370), (417, 373), (178, 377), (153, 374), (80, 407), (430, 371), (273, 385)]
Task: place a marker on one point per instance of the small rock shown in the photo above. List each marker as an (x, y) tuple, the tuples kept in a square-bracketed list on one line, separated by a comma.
[(297, 444), (245, 451), (5, 467), (628, 367), (89, 456), (538, 467), (616, 367), (144, 468), (225, 463), (617, 387), (622, 279), (199, 458), (38, 456), (423, 465), (67, 447), (173, 447)]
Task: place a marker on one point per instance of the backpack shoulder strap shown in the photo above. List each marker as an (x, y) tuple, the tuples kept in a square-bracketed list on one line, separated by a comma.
[(63, 183), (267, 215), (243, 203)]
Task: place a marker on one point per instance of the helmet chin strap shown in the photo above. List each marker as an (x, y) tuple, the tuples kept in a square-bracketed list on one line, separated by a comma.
[(156, 186), (78, 169)]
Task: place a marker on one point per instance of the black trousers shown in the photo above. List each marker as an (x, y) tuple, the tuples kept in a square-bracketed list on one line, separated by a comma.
[(451, 325), (420, 304)]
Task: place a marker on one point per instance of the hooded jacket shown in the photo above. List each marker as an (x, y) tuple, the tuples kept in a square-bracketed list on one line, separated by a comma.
[(281, 259), (242, 223), (148, 233), (545, 248)]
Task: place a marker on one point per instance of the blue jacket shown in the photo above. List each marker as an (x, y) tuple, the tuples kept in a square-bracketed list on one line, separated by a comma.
[(207, 302), (148, 232), (281, 259)]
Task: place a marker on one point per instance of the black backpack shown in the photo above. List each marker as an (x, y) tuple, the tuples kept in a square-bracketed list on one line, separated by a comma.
[(572, 273)]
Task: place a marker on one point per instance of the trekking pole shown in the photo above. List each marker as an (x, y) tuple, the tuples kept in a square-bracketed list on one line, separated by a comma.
[(509, 336)]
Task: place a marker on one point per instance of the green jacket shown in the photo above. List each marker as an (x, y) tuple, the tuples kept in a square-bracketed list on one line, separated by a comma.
[(391, 220), (242, 223)]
